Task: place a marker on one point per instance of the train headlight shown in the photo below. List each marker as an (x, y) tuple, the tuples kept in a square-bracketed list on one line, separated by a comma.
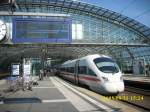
[(105, 78)]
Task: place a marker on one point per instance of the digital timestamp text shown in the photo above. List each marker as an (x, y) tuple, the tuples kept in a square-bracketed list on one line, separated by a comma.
[(125, 97)]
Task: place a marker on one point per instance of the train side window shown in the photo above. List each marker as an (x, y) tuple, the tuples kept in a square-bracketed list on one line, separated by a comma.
[(82, 70), (68, 69), (90, 72), (72, 70), (65, 69)]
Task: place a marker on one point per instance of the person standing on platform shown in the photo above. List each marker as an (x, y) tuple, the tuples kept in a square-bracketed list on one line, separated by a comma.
[(41, 75)]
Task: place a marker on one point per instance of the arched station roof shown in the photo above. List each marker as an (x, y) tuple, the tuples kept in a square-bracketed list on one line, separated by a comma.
[(91, 9)]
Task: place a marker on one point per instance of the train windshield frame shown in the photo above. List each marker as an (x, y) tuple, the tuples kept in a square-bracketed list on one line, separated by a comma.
[(106, 65)]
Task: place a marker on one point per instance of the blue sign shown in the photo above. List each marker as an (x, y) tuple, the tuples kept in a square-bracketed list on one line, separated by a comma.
[(35, 30)]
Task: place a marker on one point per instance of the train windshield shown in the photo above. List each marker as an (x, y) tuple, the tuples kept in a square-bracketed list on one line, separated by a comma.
[(106, 65)]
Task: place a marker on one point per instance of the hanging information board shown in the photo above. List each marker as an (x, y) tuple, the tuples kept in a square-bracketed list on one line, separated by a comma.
[(36, 30)]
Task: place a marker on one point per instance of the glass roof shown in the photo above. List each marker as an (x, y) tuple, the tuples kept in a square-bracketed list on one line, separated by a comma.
[(90, 8), (94, 10)]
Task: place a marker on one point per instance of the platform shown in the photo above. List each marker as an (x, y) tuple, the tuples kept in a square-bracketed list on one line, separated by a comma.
[(132, 77), (140, 82), (55, 95)]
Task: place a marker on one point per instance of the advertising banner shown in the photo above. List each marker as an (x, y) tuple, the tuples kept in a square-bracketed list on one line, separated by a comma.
[(27, 70), (15, 69)]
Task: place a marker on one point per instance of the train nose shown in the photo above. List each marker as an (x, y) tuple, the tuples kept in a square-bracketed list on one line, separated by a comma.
[(114, 87)]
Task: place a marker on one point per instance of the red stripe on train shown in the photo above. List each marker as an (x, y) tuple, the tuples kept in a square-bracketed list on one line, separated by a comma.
[(84, 78), (89, 78)]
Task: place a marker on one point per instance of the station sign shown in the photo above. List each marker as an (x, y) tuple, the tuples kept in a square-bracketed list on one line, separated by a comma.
[(38, 30)]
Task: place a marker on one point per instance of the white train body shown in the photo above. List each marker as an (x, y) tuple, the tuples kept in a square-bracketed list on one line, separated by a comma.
[(99, 72)]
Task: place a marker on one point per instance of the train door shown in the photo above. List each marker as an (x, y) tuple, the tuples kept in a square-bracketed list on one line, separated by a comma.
[(76, 72)]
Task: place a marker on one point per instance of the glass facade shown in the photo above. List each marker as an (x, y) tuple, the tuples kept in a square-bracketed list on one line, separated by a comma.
[(85, 27), (88, 28)]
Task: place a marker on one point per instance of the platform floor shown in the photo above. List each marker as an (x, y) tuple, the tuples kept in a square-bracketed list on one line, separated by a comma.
[(55, 95), (44, 98), (137, 78)]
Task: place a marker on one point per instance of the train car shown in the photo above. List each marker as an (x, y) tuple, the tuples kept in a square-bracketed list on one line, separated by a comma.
[(99, 72)]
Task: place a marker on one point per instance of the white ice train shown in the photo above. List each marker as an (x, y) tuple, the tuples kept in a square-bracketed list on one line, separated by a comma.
[(99, 72)]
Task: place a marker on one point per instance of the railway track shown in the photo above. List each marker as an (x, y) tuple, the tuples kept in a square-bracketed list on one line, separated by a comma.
[(137, 90), (137, 97), (137, 84)]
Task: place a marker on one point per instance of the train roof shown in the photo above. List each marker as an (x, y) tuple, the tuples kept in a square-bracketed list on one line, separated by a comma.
[(92, 56), (69, 61)]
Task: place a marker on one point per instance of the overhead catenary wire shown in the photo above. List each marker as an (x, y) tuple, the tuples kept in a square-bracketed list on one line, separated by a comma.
[(143, 13), (139, 15), (127, 6)]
